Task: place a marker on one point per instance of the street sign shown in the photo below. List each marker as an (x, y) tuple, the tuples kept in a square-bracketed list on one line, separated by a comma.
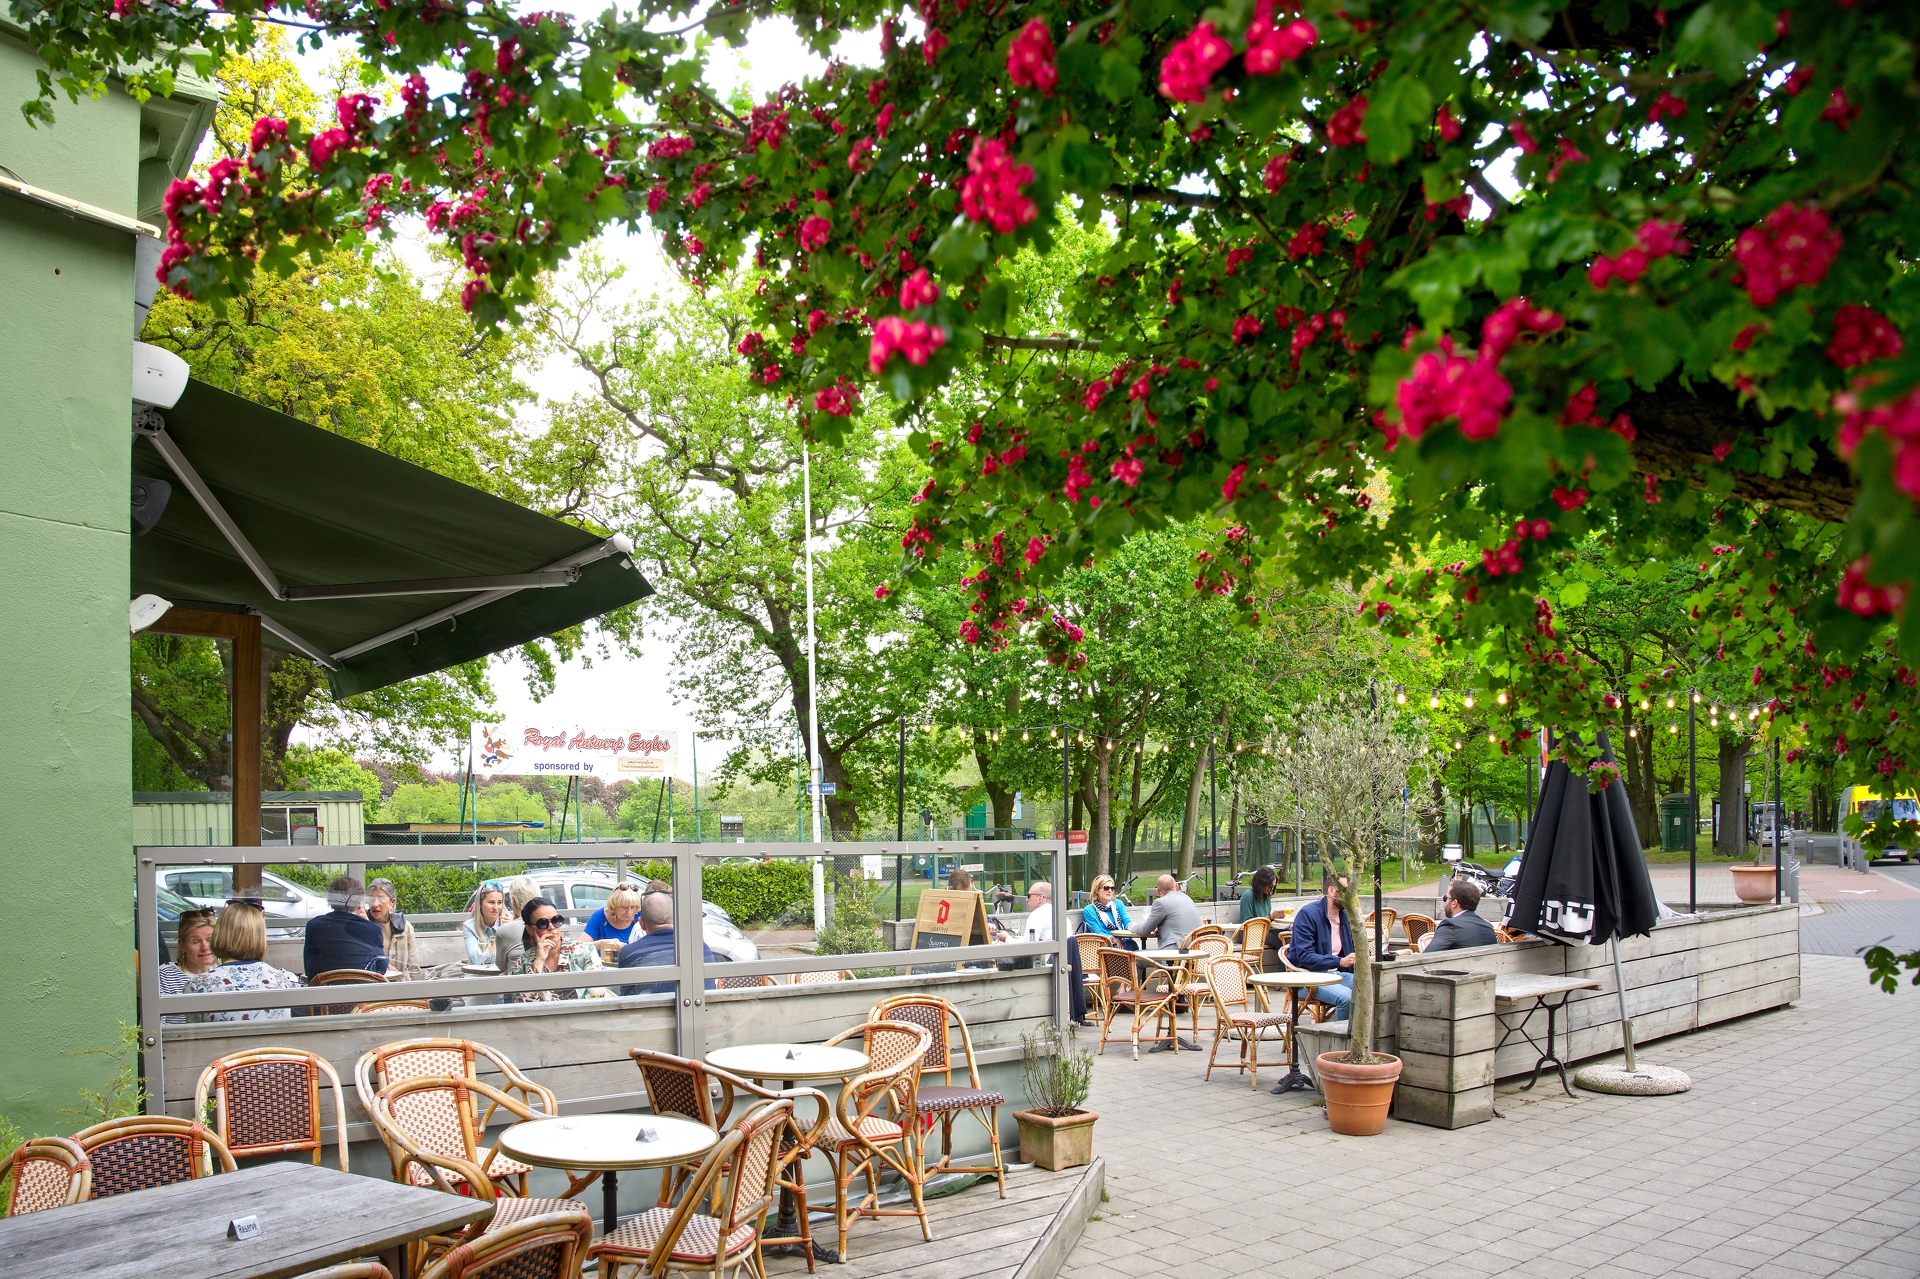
[(825, 788)]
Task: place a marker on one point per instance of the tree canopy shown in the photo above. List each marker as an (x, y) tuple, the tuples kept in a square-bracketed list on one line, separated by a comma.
[(1315, 310)]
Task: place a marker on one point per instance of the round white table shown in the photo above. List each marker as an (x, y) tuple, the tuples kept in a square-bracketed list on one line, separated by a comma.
[(608, 1144), (791, 1064), (1293, 983)]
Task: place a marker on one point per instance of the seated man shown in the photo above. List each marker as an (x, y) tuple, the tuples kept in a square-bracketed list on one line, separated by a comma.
[(1172, 916), (343, 937), (1462, 927), (654, 948), (1323, 943)]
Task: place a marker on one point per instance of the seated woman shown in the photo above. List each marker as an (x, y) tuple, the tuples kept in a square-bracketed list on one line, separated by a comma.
[(193, 948), (1107, 915), (1257, 901), (396, 930), (550, 950), (240, 944), (483, 918), (615, 920)]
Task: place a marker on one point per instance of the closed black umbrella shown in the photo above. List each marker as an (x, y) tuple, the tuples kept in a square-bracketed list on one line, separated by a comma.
[(1583, 878)]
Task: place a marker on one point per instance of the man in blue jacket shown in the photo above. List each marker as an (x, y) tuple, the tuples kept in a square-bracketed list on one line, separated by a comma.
[(343, 937), (1323, 943), (654, 947)]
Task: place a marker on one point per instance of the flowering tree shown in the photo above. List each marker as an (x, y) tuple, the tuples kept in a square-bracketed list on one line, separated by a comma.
[(1678, 329), (1342, 771)]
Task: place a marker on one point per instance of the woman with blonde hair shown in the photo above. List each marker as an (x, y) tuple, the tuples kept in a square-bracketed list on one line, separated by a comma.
[(478, 930), (510, 937), (240, 944), (192, 951), (1106, 913), (615, 920)]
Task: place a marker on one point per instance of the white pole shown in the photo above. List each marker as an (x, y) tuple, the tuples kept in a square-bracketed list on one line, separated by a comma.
[(820, 919)]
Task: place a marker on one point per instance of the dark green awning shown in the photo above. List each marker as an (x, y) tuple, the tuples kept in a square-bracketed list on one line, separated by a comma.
[(435, 572)]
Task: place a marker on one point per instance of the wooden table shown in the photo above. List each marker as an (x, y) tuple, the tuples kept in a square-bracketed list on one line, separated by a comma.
[(1293, 983), (791, 1064), (609, 1145), (309, 1217), (1535, 991)]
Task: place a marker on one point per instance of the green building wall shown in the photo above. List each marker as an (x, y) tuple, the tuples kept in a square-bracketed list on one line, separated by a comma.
[(66, 328)]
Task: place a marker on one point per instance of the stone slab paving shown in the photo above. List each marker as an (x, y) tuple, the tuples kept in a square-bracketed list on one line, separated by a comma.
[(1796, 1154)]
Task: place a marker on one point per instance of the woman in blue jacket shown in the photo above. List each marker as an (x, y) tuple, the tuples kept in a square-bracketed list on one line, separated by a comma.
[(1107, 915)]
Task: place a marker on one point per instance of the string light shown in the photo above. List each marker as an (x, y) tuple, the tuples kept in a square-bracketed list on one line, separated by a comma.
[(1646, 704), (1633, 732), (1673, 728), (1400, 697), (1469, 701), (1023, 734), (1491, 739), (1501, 698), (1433, 703), (1696, 699), (1457, 743), (1669, 701)]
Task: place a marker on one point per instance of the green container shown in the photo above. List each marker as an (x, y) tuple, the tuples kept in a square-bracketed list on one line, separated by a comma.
[(1676, 824)]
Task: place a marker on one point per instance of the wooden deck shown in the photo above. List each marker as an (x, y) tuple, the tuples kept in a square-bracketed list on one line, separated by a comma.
[(976, 1234)]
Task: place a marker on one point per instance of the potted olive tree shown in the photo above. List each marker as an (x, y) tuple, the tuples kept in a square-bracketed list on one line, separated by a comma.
[(1342, 771), (1055, 1132)]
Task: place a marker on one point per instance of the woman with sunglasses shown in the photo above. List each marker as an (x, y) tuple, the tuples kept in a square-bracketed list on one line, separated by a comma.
[(550, 950), (477, 930)]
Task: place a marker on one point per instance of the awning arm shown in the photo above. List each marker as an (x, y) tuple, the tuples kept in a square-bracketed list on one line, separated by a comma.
[(618, 544), (303, 646), (149, 423), (434, 586)]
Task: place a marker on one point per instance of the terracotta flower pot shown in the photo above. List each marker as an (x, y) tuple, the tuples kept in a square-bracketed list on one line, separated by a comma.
[(1753, 884), (1065, 1142), (1357, 1096)]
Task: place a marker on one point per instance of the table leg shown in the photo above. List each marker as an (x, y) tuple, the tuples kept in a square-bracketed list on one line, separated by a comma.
[(1295, 1077), (1552, 1010), (610, 1201), (395, 1260), (787, 1227)]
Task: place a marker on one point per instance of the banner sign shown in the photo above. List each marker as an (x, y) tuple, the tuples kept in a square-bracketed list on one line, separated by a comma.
[(539, 751)]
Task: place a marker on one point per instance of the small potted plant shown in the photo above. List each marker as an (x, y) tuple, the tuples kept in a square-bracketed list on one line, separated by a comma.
[(1055, 1133)]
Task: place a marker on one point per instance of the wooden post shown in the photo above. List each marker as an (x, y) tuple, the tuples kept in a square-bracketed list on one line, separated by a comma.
[(244, 707)]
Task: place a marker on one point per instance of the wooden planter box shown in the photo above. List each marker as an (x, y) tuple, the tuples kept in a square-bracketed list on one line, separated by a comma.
[(1053, 1144)]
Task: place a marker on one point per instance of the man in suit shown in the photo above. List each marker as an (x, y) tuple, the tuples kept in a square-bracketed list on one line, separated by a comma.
[(1462, 927), (1172, 917), (1323, 943)]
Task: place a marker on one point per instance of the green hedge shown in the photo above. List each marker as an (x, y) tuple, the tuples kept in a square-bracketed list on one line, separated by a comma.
[(749, 892)]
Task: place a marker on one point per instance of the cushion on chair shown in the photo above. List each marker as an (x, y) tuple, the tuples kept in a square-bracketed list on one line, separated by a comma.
[(938, 1098), (637, 1236), (873, 1128), (506, 1210), (1259, 1021)]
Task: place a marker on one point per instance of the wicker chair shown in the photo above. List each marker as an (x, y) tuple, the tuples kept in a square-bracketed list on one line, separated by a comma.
[(1253, 941), (684, 1087), (266, 1101), (410, 1058), (1375, 927), (1144, 992), (1416, 927), (831, 974), (746, 983), (1236, 1019), (551, 1245), (1090, 944), (735, 1184), (1317, 1009), (343, 977), (351, 1270), (427, 1124), (869, 1130), (950, 1038), (147, 1151), (1505, 934), (394, 1006), (48, 1172)]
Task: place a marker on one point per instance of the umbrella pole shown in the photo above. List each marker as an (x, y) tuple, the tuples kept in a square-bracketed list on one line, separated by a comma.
[(1620, 989)]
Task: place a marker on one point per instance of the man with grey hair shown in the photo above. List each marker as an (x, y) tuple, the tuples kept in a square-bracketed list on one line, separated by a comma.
[(1172, 916), (343, 938)]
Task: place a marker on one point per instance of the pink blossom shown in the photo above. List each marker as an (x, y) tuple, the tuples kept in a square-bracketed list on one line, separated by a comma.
[(1449, 128), (1344, 127), (1128, 471), (991, 191), (816, 320), (915, 339), (1036, 547), (1839, 112), (1096, 391), (1667, 106), (936, 43), (669, 148), (1270, 48), (918, 290), (1308, 241), (767, 125), (1078, 478), (1857, 595), (267, 131), (1030, 58), (1862, 336), (1274, 176), (1190, 65), (1231, 489), (837, 400), (882, 591), (1247, 326), (1504, 326), (814, 232), (1522, 138), (1793, 246), (861, 156), (1569, 154)]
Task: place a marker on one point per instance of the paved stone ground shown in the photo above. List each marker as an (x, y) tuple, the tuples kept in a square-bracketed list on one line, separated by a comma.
[(1796, 1154)]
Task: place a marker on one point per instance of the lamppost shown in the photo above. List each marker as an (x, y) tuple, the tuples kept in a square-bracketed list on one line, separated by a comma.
[(813, 695)]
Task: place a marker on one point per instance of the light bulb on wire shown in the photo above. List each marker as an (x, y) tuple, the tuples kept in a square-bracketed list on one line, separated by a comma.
[(1023, 734), (1673, 728), (1433, 703), (1400, 697), (1468, 703), (1501, 698)]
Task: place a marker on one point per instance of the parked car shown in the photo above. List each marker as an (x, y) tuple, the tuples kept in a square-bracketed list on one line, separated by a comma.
[(287, 904), (589, 890)]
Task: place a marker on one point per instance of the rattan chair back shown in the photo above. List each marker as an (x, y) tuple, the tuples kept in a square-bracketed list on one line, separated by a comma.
[(1253, 938), (747, 1193), (351, 1270), (552, 1245), (1227, 982), (149, 1150), (831, 974), (1416, 927), (48, 1172), (428, 1125), (412, 1058), (746, 983), (266, 1101), (1380, 924), (943, 1024), (1212, 945), (681, 1086), (875, 1115)]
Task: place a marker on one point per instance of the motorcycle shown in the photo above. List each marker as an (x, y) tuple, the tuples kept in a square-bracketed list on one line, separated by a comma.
[(1509, 876)]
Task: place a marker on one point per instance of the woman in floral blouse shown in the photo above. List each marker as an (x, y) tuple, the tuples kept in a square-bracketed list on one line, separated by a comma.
[(550, 950), (240, 944)]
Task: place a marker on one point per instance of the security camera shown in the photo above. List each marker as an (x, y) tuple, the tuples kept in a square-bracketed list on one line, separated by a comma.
[(159, 376), (145, 611)]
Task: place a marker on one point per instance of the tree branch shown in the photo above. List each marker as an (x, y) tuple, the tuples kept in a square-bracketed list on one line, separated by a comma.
[(1677, 428), (1038, 344)]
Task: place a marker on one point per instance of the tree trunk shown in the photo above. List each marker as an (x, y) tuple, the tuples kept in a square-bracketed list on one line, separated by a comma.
[(1360, 1017), (999, 795), (1100, 837), (1190, 817), (1732, 837)]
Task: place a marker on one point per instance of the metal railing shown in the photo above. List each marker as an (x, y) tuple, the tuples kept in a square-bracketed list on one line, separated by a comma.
[(688, 975)]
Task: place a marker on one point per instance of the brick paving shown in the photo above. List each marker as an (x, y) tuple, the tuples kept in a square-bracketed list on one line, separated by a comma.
[(1796, 1154)]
